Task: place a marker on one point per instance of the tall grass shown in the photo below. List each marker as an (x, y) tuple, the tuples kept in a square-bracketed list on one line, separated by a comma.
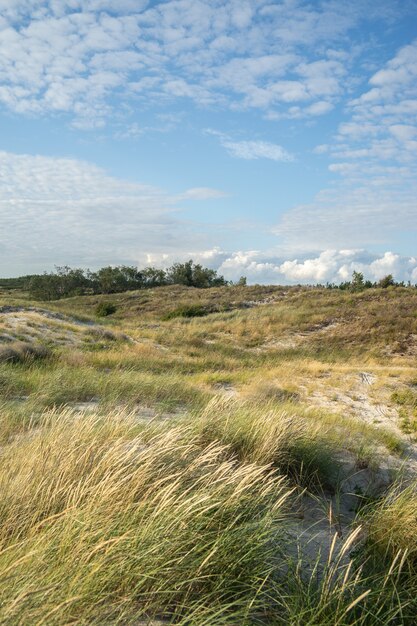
[(392, 527), (269, 434), (106, 521), (101, 524)]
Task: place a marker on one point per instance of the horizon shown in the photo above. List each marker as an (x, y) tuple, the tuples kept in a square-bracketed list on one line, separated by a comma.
[(274, 140)]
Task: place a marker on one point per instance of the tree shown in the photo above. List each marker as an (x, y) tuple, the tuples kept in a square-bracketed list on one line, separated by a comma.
[(73, 282), (181, 274), (194, 275), (153, 277), (61, 284), (45, 287), (66, 281), (357, 282), (386, 281), (116, 279)]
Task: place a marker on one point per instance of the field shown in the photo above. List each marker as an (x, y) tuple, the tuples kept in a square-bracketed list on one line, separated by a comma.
[(226, 456)]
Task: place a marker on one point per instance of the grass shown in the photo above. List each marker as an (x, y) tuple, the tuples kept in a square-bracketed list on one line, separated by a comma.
[(104, 520), (286, 441), (392, 527), (194, 516), (16, 352), (151, 524)]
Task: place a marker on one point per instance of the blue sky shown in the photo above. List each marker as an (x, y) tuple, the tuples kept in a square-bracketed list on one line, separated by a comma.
[(272, 139)]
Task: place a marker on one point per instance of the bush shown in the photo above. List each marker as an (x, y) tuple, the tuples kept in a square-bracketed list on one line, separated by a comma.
[(387, 281), (105, 308), (194, 275), (187, 310)]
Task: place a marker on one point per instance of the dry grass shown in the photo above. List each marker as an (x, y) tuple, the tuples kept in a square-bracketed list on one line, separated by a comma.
[(19, 351), (109, 519), (100, 523)]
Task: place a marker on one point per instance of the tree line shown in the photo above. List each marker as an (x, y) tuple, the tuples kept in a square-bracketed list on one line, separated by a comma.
[(358, 283), (66, 281)]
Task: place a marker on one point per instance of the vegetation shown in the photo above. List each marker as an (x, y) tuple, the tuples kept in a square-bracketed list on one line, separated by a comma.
[(103, 309), (66, 282), (358, 283), (219, 456)]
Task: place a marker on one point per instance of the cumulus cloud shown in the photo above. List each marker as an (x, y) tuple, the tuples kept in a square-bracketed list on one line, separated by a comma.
[(334, 266)]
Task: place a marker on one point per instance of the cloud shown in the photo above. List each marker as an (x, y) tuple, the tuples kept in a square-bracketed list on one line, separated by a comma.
[(252, 149), (374, 156), (59, 211), (351, 212), (82, 57), (56, 210), (257, 150), (202, 193), (334, 266)]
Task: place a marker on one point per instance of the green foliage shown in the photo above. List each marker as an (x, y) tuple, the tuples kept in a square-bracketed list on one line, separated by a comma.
[(116, 279), (405, 397), (104, 309), (193, 275), (65, 282), (358, 282), (154, 277), (187, 310), (407, 401), (61, 284), (19, 282), (386, 281)]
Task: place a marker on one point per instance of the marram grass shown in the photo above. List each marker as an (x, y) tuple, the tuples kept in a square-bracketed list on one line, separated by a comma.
[(195, 520), (104, 521), (101, 525)]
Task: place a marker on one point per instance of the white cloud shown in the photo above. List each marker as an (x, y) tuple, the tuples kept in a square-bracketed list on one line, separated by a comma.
[(202, 193), (329, 266), (375, 155), (257, 150), (252, 149), (366, 214), (77, 56), (333, 266), (319, 108), (67, 211), (59, 211)]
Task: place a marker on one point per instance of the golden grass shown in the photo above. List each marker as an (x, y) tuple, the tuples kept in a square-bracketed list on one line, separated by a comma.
[(99, 521), (109, 519)]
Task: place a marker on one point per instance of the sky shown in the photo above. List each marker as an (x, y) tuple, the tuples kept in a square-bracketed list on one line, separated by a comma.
[(271, 139)]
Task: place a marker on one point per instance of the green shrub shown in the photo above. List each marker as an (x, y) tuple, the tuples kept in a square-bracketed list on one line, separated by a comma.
[(187, 310), (105, 308)]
